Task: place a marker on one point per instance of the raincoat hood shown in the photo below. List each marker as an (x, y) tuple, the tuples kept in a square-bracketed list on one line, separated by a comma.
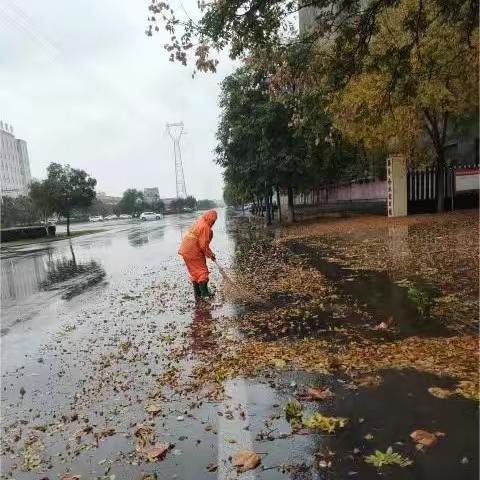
[(210, 217)]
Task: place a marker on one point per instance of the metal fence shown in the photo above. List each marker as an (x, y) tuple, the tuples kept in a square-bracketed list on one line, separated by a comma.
[(422, 189), (422, 184)]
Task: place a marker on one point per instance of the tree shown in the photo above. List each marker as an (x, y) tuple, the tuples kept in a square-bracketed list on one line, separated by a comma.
[(191, 202), (132, 202), (256, 143), (100, 208), (42, 198), (178, 205), (233, 195), (420, 73), (246, 26), (69, 188), (18, 211), (206, 204), (158, 206)]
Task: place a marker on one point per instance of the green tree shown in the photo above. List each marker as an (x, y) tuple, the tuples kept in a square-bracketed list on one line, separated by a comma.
[(206, 204), (132, 202), (191, 202), (42, 198), (69, 188), (256, 143), (178, 205), (158, 206), (18, 211), (100, 208)]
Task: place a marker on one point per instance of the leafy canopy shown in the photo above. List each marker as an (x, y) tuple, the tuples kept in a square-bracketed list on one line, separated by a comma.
[(69, 188)]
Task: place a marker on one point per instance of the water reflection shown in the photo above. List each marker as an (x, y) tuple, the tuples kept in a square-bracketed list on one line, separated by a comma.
[(142, 236), (25, 276), (201, 328), (71, 276), (20, 278), (138, 238)]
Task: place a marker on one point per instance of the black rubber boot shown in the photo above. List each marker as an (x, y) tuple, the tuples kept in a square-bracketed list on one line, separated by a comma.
[(196, 289), (204, 291)]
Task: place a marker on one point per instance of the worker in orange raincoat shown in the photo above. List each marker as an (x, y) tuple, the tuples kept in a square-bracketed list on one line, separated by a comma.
[(195, 249)]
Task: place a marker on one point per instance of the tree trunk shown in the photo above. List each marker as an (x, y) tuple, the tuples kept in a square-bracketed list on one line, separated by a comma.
[(291, 211), (437, 125), (278, 205), (68, 224), (268, 211)]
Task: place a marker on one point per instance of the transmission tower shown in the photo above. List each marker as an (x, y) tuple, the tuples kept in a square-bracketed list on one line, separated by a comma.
[(175, 131)]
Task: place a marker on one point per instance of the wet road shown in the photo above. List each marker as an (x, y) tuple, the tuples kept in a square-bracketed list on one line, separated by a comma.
[(90, 328), (42, 284), (85, 324)]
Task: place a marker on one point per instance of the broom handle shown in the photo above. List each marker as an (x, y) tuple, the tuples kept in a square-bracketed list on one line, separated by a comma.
[(222, 271)]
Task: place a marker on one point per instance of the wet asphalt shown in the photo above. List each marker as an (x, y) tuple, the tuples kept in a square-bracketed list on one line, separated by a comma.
[(84, 328)]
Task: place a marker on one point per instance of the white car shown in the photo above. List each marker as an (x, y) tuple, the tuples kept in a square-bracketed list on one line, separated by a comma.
[(97, 218), (111, 217), (150, 216), (125, 216)]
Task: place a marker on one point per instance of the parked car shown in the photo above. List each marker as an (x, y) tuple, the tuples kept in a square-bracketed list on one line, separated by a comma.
[(111, 217), (150, 216), (125, 216), (97, 218)]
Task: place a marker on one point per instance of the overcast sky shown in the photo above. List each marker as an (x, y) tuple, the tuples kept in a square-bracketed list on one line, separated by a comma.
[(84, 85)]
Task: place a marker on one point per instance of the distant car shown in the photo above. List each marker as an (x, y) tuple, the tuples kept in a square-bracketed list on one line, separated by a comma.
[(111, 217), (150, 216), (97, 218), (124, 216)]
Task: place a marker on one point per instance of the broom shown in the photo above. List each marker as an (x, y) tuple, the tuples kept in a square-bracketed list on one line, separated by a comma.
[(232, 288), (223, 273)]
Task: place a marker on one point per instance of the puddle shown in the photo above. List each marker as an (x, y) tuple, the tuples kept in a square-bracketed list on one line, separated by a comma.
[(384, 299), (385, 414)]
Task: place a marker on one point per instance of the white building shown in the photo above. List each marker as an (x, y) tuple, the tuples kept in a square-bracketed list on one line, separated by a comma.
[(15, 165)]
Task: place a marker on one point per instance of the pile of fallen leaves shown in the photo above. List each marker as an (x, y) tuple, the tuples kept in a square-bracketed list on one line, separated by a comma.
[(440, 250), (449, 356)]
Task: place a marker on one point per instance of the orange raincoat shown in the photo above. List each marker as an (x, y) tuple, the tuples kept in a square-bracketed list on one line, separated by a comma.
[(195, 247)]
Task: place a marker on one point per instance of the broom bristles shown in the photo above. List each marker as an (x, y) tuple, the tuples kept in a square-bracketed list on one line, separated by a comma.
[(232, 290)]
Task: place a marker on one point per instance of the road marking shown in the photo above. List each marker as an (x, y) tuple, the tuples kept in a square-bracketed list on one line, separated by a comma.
[(235, 401)]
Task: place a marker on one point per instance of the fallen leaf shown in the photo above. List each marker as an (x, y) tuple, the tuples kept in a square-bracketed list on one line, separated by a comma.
[(279, 363), (212, 467), (425, 439), (156, 452), (153, 408), (69, 476), (440, 392), (246, 460), (369, 381), (327, 424), (317, 394), (144, 435)]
